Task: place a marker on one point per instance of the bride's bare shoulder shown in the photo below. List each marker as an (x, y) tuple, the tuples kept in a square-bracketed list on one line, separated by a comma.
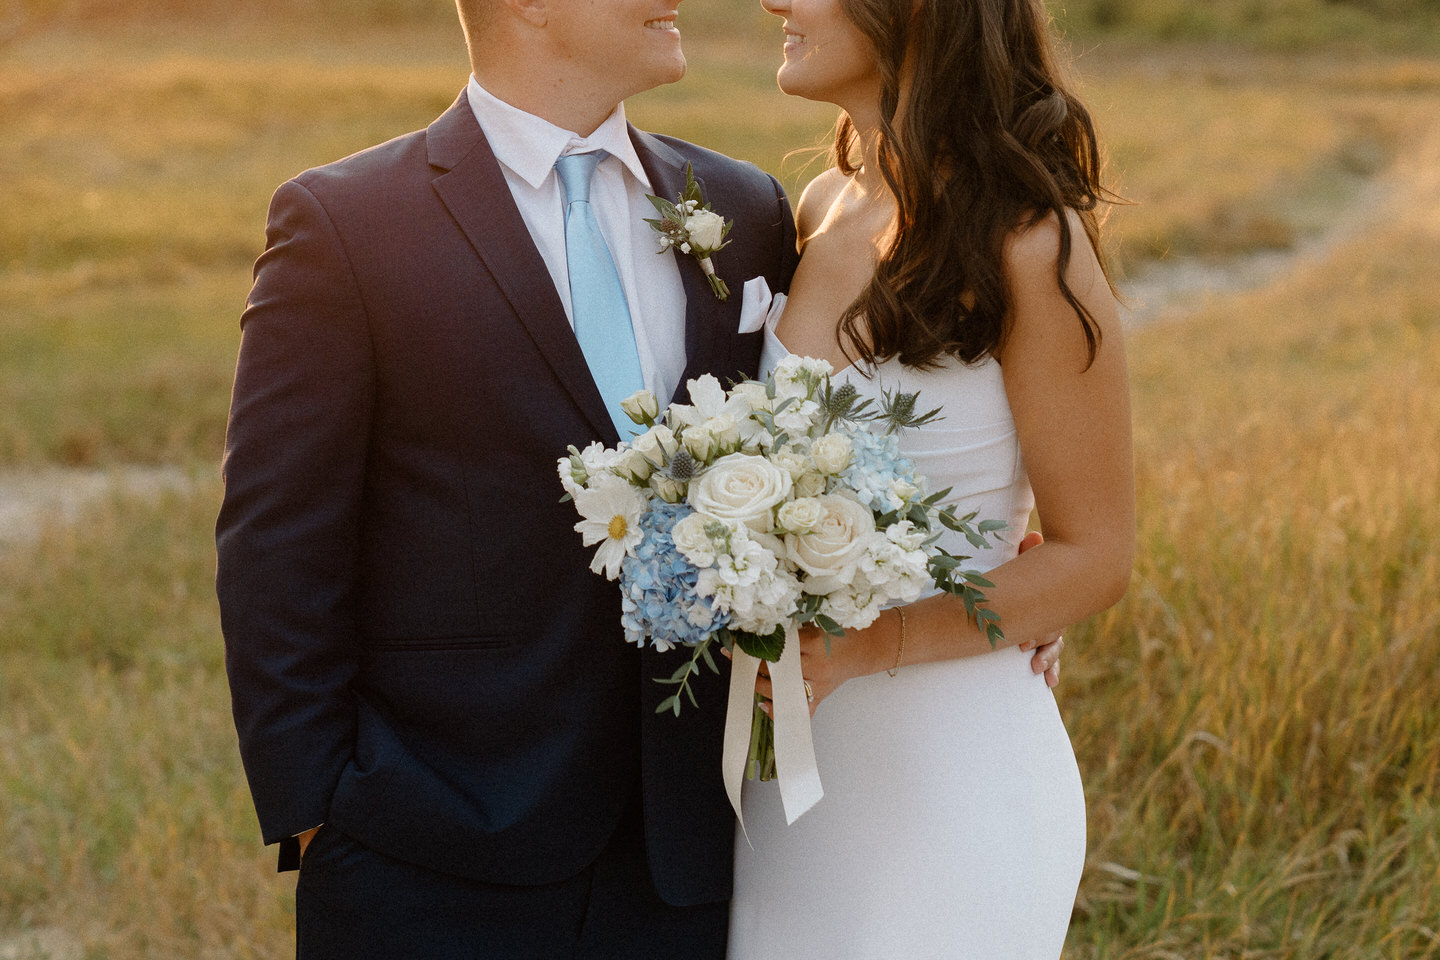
[(816, 200)]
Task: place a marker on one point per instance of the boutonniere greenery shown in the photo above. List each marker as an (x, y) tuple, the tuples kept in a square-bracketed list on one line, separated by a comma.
[(690, 226)]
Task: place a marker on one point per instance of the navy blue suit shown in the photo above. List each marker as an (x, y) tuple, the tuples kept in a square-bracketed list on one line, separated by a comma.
[(419, 655)]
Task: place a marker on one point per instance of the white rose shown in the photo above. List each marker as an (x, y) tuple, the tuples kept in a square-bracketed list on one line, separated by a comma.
[(667, 488), (641, 406), (831, 453), (631, 465), (800, 516), (792, 461), (656, 445), (830, 552), (743, 488), (706, 229), (700, 442), (811, 484), (724, 432), (692, 541)]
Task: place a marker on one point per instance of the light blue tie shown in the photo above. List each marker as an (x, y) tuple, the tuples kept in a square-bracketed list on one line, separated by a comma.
[(597, 301)]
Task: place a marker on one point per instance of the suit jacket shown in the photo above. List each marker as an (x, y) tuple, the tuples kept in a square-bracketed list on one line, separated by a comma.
[(418, 652)]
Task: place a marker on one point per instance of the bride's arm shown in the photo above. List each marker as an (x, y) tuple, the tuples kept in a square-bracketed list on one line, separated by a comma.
[(1073, 424)]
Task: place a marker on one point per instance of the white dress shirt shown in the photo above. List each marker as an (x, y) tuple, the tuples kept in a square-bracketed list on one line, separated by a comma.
[(527, 148)]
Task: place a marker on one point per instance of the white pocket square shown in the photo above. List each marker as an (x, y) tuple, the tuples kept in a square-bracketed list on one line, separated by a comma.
[(759, 308), (754, 305)]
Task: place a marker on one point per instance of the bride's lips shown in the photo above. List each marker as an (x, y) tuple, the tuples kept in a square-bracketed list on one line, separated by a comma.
[(793, 40), (665, 23)]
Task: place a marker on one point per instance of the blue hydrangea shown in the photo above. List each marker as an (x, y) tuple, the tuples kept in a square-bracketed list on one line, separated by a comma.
[(657, 586), (875, 461)]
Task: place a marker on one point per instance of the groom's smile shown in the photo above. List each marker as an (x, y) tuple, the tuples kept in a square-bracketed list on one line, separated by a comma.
[(617, 47)]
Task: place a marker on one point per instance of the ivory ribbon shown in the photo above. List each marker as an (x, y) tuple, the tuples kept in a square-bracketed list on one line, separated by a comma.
[(795, 765)]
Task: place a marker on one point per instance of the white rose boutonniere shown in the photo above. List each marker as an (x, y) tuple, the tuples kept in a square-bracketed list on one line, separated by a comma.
[(690, 226)]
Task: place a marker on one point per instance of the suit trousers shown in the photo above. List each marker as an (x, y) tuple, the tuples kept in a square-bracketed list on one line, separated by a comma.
[(353, 902)]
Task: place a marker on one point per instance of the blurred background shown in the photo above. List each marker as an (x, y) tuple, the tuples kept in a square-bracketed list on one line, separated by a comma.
[(1255, 722)]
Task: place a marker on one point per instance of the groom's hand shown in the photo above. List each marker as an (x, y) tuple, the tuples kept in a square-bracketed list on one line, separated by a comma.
[(1048, 648)]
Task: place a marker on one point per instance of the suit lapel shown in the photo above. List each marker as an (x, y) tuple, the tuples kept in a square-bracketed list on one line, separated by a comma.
[(473, 189), (705, 316)]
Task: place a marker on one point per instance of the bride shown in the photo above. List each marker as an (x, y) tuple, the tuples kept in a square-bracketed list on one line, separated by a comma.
[(952, 249)]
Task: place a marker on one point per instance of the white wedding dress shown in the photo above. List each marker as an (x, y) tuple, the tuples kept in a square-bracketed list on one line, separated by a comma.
[(953, 821)]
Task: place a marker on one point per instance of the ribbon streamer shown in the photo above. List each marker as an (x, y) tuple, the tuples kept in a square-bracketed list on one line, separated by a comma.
[(795, 765)]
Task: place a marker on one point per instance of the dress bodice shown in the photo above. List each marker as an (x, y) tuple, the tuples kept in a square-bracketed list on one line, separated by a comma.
[(971, 447)]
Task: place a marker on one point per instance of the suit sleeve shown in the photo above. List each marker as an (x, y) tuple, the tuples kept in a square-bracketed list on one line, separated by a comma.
[(288, 532)]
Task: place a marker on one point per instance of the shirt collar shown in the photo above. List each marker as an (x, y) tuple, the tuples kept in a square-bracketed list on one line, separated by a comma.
[(530, 145)]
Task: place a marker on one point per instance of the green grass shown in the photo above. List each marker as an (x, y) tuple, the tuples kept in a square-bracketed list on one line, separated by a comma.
[(1255, 722)]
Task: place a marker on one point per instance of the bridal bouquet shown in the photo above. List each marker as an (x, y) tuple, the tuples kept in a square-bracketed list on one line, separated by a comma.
[(744, 514)]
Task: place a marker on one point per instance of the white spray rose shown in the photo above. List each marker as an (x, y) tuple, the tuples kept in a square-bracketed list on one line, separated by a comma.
[(801, 515), (830, 552), (631, 465), (742, 488), (831, 453), (706, 229), (700, 442), (657, 445), (811, 484), (724, 433), (667, 488), (641, 407), (792, 461)]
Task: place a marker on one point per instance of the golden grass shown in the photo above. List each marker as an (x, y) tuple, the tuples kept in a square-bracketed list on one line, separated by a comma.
[(1256, 721)]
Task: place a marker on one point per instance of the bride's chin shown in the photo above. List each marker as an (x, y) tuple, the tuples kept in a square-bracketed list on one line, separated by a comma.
[(794, 86)]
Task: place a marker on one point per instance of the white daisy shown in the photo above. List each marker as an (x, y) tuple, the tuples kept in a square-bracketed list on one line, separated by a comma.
[(612, 519)]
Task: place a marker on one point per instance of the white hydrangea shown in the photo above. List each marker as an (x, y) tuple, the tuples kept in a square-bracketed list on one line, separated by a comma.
[(854, 608)]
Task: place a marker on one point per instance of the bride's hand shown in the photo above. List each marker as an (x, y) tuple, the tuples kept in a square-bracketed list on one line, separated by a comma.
[(825, 670), (1048, 648)]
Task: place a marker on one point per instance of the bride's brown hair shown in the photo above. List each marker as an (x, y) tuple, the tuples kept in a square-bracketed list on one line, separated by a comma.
[(989, 141)]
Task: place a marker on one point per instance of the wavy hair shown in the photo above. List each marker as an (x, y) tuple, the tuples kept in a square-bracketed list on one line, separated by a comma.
[(989, 141)]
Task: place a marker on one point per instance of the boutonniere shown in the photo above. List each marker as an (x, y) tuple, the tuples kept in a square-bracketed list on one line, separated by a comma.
[(693, 228)]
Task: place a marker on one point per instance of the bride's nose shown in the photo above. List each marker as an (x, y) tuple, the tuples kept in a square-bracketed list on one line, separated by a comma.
[(777, 7)]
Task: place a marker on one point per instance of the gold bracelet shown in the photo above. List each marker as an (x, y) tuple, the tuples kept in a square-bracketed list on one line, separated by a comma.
[(900, 651)]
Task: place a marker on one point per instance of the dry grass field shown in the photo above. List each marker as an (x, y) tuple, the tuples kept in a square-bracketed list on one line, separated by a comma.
[(1255, 722)]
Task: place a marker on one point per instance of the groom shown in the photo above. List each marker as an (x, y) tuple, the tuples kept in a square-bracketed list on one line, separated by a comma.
[(422, 664)]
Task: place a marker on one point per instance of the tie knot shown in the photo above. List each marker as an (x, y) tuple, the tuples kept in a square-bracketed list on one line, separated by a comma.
[(575, 171)]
